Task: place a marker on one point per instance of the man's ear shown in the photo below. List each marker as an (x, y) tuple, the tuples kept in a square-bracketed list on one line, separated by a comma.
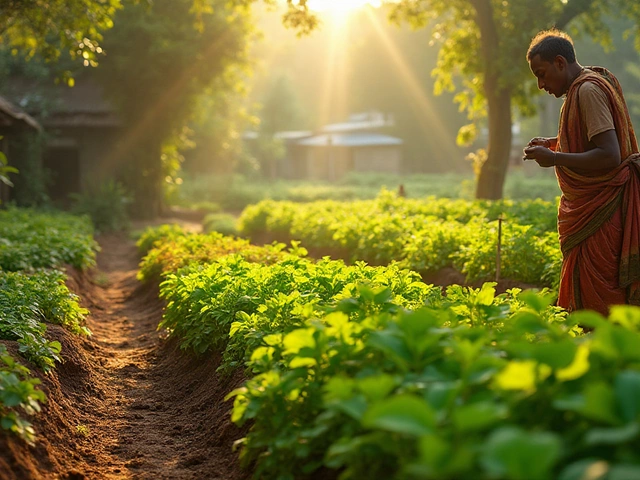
[(560, 62)]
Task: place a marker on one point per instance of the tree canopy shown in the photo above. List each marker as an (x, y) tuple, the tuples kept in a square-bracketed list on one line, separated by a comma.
[(51, 27)]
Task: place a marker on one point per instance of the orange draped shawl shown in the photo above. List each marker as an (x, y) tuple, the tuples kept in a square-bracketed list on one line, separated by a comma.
[(599, 216)]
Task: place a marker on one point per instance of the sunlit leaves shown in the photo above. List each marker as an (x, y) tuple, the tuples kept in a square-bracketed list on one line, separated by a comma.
[(473, 385)]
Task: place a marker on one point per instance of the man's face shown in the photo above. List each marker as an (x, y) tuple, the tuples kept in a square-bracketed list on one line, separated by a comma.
[(552, 76)]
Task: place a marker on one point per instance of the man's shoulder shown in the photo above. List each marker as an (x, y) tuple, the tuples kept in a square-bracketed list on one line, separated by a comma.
[(591, 87)]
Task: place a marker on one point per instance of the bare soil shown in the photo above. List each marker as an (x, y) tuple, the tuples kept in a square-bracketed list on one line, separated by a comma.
[(126, 403)]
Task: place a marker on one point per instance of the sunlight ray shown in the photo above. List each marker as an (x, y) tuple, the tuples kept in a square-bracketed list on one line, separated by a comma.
[(427, 114), (333, 98)]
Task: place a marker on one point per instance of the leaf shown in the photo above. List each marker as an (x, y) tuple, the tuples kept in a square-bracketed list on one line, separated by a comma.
[(354, 407), (383, 296), (627, 390), (578, 367), (487, 294), (478, 416), (404, 414), (376, 387), (587, 318), (299, 339), (628, 316), (520, 455), (612, 436), (521, 375), (599, 403), (536, 301), (395, 346), (433, 450), (298, 362)]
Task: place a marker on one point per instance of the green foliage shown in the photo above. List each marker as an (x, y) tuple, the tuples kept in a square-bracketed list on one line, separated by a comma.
[(6, 169), (174, 248), (106, 204), (237, 192), (18, 394), (33, 297), (233, 301), (424, 235), (420, 394), (28, 300), (194, 46), (47, 29), (162, 233), (371, 373), (223, 223), (32, 239)]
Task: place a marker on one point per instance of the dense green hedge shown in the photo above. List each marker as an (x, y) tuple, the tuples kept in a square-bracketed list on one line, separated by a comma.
[(423, 235)]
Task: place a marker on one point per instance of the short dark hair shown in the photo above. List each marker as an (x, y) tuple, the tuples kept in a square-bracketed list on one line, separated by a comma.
[(550, 43)]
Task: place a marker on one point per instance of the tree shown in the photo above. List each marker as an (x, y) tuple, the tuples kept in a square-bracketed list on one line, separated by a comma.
[(484, 42), (161, 57)]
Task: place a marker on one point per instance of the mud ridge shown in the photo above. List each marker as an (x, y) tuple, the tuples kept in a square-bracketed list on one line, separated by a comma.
[(126, 402)]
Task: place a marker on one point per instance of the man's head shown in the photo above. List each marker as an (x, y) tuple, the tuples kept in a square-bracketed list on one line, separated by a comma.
[(552, 60)]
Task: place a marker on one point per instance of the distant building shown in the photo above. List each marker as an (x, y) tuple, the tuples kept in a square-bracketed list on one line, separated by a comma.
[(358, 145), (82, 130), (13, 121)]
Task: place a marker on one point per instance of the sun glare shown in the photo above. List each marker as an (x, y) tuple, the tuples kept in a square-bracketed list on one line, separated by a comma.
[(340, 7)]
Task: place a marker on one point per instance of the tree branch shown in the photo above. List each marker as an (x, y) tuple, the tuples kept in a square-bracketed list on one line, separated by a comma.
[(571, 10)]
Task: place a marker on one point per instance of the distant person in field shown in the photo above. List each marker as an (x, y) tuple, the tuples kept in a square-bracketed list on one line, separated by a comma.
[(597, 163)]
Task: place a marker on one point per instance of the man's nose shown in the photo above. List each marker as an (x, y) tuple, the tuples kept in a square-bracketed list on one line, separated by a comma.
[(540, 84)]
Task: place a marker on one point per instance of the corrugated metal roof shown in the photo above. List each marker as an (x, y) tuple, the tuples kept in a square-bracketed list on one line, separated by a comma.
[(16, 113), (359, 122), (350, 140), (293, 134)]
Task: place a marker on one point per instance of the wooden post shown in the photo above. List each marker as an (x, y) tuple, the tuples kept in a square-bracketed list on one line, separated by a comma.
[(498, 251)]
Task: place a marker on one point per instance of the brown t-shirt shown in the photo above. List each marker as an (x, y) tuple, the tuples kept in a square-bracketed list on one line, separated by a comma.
[(595, 111)]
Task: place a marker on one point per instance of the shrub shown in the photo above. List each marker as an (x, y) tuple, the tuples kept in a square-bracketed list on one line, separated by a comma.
[(224, 223), (106, 204)]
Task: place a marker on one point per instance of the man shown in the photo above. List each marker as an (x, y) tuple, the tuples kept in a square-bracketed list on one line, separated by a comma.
[(597, 163)]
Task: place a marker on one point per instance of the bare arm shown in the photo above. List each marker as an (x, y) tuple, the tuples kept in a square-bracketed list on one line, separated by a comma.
[(605, 155)]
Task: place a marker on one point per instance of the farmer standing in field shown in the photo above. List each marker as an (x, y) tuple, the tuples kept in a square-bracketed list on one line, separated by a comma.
[(597, 163)]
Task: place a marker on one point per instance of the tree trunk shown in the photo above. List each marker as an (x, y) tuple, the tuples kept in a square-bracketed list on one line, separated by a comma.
[(145, 181), (494, 170)]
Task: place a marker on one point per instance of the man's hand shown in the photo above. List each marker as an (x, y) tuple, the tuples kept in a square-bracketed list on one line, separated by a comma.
[(542, 155), (539, 142)]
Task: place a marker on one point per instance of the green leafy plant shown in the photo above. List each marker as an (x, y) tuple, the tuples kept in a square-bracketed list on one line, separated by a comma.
[(18, 395), (223, 223), (34, 239), (6, 169), (29, 300), (106, 204)]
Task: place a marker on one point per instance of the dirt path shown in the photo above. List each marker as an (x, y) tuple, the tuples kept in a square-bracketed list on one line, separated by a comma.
[(127, 403), (161, 401)]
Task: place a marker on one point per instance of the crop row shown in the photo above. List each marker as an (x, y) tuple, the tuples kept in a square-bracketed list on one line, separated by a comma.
[(423, 235), (369, 372), (33, 246)]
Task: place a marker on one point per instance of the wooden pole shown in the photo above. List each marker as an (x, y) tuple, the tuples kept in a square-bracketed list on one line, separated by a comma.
[(498, 251)]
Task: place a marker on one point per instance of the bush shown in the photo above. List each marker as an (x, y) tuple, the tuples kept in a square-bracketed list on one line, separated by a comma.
[(33, 239), (106, 204), (224, 223)]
